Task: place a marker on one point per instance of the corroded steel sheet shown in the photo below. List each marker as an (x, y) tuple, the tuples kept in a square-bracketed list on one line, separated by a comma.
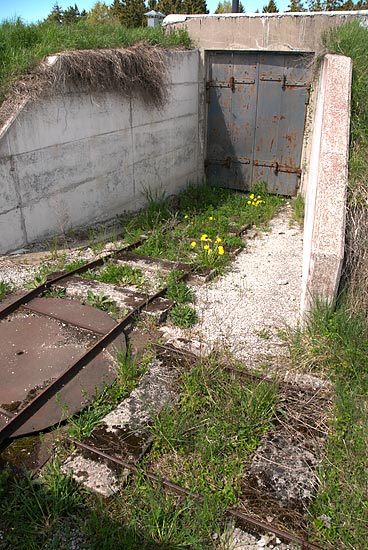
[(34, 351), (73, 312)]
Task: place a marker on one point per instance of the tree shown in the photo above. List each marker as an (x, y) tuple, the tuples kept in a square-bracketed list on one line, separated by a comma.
[(71, 15), (170, 6), (100, 13), (227, 7), (130, 13), (56, 15), (270, 8), (296, 5), (194, 6)]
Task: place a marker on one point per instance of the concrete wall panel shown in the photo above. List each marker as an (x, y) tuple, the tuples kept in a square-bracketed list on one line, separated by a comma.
[(61, 120), (79, 206), (183, 101), (9, 197), (61, 167), (11, 229), (80, 158)]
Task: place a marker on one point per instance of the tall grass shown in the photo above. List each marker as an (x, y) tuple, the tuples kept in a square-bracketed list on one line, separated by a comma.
[(23, 46), (336, 342)]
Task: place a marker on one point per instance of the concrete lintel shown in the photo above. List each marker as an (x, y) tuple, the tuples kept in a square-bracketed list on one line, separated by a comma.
[(324, 235)]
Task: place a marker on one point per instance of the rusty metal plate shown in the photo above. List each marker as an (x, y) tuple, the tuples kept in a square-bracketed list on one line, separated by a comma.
[(73, 312), (36, 350)]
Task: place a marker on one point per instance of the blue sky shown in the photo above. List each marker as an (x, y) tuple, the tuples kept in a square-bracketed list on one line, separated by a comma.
[(35, 10)]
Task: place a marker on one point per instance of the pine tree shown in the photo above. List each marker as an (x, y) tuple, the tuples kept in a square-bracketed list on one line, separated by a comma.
[(194, 6), (100, 13), (132, 13), (170, 6), (56, 15), (296, 5), (270, 8), (71, 15)]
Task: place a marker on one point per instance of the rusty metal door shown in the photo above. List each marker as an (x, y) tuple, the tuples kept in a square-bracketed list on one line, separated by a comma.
[(256, 114)]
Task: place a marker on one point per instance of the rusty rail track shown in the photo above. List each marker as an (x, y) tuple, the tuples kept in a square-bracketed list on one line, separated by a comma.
[(235, 513), (15, 421)]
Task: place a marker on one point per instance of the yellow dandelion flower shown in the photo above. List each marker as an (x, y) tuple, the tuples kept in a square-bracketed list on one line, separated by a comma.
[(209, 251), (249, 202), (186, 217), (206, 247), (210, 218), (254, 203), (259, 196), (193, 244), (218, 240), (251, 196), (204, 237), (220, 250)]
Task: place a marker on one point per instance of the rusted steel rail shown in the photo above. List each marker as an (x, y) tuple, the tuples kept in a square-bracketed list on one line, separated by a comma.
[(68, 374), (168, 484), (59, 276)]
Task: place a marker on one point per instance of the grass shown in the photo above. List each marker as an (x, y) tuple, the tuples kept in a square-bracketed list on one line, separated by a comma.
[(298, 207), (23, 46), (204, 442), (117, 274), (204, 226), (5, 288), (32, 509), (183, 315), (336, 344), (102, 302), (128, 372)]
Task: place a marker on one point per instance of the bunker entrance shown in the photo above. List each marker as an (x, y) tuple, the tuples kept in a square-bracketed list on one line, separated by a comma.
[(256, 116)]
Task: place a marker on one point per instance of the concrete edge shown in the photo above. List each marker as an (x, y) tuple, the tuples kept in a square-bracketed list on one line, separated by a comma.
[(325, 214), (174, 18)]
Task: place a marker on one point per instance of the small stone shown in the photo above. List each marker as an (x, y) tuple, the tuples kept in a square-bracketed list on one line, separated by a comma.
[(282, 282), (326, 520)]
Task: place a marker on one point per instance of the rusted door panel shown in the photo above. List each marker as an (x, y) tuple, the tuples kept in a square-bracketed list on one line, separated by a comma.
[(231, 90), (256, 119), (266, 143), (243, 117)]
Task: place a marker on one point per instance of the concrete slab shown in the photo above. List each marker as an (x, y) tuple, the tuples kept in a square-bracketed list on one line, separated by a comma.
[(129, 421), (324, 233)]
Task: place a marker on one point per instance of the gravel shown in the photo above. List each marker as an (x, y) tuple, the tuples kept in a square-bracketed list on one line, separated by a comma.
[(244, 311)]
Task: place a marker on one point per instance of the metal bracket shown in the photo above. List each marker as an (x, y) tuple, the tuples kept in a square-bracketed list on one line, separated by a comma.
[(277, 167)]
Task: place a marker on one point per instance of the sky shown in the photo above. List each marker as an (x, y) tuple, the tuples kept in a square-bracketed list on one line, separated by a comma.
[(32, 11)]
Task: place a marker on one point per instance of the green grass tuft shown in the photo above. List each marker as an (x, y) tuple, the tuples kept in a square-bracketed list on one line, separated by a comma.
[(23, 46)]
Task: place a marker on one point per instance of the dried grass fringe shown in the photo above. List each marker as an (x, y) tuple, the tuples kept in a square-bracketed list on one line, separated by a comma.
[(355, 273), (139, 70)]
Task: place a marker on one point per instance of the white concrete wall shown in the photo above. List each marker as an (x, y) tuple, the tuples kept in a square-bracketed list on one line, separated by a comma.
[(326, 186), (79, 158), (261, 31)]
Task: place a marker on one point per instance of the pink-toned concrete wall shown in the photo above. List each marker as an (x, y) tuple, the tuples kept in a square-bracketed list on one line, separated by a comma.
[(324, 234)]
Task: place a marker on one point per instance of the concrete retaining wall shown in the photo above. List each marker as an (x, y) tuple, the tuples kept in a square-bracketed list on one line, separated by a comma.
[(79, 158), (259, 31), (326, 185)]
